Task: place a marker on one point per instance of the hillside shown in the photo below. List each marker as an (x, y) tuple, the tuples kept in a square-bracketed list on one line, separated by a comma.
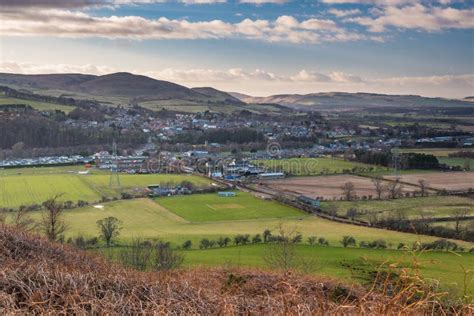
[(116, 88), (218, 95), (40, 277), (347, 101)]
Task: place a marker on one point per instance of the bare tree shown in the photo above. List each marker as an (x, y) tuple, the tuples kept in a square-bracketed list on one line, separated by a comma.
[(423, 187), (22, 219), (166, 258), (53, 219), (379, 187), (109, 228), (348, 189), (394, 189), (137, 256), (283, 253), (458, 216)]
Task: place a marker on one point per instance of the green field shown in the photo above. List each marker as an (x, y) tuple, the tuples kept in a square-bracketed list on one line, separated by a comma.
[(42, 106), (316, 166), (147, 219), (210, 207), (27, 186), (334, 261), (464, 163), (435, 206), (438, 152)]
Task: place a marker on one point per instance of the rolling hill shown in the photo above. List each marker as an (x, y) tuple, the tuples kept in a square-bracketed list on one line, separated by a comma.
[(348, 101), (122, 86)]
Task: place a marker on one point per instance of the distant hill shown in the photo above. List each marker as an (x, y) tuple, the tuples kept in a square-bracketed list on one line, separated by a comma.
[(347, 101), (122, 85), (217, 94)]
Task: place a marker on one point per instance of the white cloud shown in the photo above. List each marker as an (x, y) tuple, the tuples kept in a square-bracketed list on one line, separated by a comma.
[(343, 13), (32, 68), (263, 82), (73, 24), (418, 17)]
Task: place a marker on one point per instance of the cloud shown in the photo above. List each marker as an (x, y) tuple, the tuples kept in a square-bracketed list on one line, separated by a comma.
[(74, 24), (418, 17), (261, 81), (33, 68), (343, 13)]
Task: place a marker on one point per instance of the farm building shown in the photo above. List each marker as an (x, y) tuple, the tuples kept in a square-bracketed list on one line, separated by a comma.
[(309, 201), (271, 175), (226, 194)]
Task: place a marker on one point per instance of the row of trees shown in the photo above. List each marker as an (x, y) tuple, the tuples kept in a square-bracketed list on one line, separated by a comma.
[(384, 189)]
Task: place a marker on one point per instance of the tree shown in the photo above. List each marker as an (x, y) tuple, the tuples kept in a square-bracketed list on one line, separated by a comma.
[(458, 216), (379, 187), (22, 219), (53, 219), (423, 185), (204, 243), (109, 228), (348, 190), (187, 244), (312, 240), (256, 239), (284, 254), (166, 258), (351, 213), (266, 235), (347, 241), (394, 189), (136, 256)]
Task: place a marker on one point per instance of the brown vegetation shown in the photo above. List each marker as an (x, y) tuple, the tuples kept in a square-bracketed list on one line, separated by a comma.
[(39, 277)]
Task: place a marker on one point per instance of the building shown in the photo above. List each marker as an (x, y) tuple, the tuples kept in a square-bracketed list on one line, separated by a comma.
[(226, 194), (271, 175), (130, 164)]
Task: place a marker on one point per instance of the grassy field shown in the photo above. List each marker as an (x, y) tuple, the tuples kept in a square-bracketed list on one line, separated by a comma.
[(42, 106), (458, 162), (336, 262), (436, 206), (316, 166), (26, 186), (438, 152), (210, 207), (147, 219)]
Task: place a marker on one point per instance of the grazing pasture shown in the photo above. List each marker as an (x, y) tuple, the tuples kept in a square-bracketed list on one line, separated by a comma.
[(27, 186), (349, 263), (41, 106), (316, 166), (432, 206), (147, 219)]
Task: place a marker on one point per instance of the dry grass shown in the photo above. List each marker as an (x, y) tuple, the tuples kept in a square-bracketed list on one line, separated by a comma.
[(39, 277)]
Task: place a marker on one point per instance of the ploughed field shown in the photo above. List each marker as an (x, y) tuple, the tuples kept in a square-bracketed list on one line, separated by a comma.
[(328, 187), (449, 181)]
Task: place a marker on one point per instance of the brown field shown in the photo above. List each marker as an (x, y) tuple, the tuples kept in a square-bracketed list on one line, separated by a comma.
[(329, 187), (450, 181)]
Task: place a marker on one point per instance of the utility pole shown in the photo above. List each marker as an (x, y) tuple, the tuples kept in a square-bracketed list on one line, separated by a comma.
[(114, 173)]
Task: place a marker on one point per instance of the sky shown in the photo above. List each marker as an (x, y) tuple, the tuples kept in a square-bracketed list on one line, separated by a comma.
[(255, 47)]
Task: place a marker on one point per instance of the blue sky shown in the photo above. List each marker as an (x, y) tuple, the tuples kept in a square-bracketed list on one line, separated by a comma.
[(390, 46)]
